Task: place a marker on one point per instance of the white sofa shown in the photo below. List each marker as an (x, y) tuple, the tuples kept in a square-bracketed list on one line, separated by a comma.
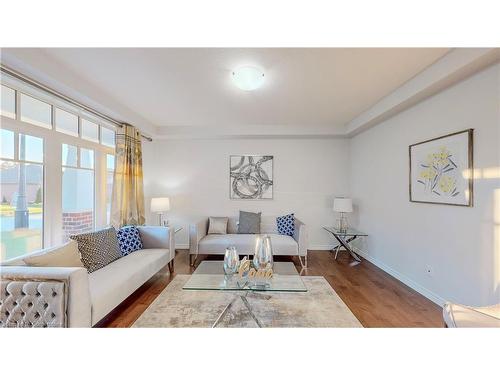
[(461, 316), (200, 242), (90, 297)]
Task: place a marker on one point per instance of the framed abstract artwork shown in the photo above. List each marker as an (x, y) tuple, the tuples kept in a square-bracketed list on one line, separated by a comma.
[(441, 170), (251, 177)]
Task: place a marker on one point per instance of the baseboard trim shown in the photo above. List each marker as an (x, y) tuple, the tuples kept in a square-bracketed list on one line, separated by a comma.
[(404, 279)]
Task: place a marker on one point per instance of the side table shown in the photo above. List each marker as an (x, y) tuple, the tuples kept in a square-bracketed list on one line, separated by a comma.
[(344, 237)]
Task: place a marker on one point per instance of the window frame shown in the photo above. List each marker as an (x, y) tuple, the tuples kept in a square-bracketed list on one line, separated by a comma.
[(52, 165), (80, 127), (100, 136), (15, 102), (19, 106), (79, 167), (54, 116), (108, 223)]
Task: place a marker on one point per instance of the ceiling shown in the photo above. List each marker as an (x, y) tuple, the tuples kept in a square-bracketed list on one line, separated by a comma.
[(192, 87)]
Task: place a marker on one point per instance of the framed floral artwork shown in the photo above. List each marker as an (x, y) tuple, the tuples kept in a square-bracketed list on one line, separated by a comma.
[(441, 170)]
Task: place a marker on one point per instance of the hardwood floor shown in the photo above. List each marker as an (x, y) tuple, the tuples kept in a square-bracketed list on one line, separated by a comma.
[(376, 298)]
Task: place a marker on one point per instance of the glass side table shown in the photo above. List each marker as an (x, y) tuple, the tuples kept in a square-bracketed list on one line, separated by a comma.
[(344, 238)]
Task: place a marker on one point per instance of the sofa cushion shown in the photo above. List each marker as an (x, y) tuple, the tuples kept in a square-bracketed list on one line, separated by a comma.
[(245, 244), (129, 239), (217, 225), (110, 285), (65, 255), (286, 224), (249, 222), (267, 224), (155, 237), (98, 249)]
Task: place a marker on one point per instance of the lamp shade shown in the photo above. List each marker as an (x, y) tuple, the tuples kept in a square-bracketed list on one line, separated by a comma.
[(160, 204), (342, 205)]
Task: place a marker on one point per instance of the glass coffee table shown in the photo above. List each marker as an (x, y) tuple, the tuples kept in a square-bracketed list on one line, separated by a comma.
[(209, 275)]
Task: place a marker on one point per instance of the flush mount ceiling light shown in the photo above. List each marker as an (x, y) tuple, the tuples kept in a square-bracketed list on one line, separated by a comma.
[(248, 78)]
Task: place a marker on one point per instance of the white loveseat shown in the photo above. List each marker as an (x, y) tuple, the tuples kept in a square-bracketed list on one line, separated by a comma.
[(89, 297), (200, 242)]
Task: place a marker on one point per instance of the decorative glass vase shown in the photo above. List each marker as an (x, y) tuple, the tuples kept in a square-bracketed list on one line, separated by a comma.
[(263, 256), (231, 261), (262, 259)]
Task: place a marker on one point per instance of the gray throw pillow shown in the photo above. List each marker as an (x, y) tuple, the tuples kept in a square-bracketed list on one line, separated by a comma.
[(249, 223), (98, 249), (217, 225)]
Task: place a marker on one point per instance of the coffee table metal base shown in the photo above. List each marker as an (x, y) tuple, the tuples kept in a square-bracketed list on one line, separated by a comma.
[(247, 305)]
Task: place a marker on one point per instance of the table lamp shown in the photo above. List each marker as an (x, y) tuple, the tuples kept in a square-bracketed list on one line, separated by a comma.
[(342, 205), (160, 205)]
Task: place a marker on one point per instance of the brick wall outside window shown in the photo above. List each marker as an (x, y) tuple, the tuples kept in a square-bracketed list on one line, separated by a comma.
[(77, 222)]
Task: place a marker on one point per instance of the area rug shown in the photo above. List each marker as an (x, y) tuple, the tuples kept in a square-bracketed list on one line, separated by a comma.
[(320, 306)]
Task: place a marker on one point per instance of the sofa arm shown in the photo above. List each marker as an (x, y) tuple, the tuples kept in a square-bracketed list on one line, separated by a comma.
[(300, 235), (461, 316), (197, 231), (76, 292)]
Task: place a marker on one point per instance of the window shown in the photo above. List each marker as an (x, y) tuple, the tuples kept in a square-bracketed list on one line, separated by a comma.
[(25, 160), (7, 138), (21, 181), (86, 158), (36, 112), (77, 190), (90, 130), (107, 137), (66, 122), (110, 170), (32, 150), (8, 107), (69, 155)]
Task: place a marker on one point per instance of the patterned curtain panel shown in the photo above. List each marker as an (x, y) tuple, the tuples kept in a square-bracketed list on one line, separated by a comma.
[(127, 203)]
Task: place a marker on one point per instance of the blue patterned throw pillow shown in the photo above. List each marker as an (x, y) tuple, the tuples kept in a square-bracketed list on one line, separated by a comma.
[(286, 224), (129, 239)]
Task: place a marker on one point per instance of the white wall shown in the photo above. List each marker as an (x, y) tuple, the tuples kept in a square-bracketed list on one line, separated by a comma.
[(194, 173), (461, 245)]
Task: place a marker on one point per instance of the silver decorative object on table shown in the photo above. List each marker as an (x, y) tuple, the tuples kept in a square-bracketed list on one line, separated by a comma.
[(231, 261), (263, 258)]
